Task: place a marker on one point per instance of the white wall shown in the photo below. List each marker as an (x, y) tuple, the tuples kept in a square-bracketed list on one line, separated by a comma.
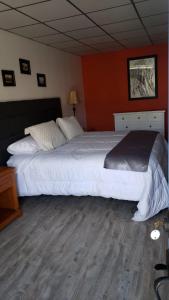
[(63, 72)]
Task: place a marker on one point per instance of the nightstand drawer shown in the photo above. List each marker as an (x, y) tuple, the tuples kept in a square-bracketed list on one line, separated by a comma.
[(5, 182), (9, 205)]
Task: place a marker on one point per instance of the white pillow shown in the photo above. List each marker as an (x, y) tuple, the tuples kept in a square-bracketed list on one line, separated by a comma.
[(47, 135), (27, 145), (70, 127)]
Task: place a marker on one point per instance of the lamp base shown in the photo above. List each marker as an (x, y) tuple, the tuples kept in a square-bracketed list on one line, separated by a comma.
[(74, 109)]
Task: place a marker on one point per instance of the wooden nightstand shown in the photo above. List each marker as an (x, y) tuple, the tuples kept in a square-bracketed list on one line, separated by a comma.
[(9, 205)]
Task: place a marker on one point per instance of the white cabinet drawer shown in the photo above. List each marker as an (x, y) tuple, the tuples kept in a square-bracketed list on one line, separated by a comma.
[(156, 116), (122, 125), (155, 125)]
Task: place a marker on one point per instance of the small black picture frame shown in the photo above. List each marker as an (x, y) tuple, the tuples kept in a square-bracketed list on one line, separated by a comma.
[(25, 66), (142, 77), (8, 78), (41, 80)]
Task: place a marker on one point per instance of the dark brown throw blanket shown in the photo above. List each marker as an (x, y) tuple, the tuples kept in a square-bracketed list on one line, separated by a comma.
[(132, 153)]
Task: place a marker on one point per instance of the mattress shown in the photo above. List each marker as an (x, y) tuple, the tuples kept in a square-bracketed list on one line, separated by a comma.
[(76, 168)]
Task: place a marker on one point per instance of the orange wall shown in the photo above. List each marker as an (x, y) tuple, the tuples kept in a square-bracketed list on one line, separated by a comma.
[(106, 85)]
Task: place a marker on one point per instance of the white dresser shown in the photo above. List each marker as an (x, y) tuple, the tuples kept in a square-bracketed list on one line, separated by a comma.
[(142, 120)]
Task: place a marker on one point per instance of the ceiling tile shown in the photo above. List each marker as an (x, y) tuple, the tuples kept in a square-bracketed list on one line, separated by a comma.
[(140, 1), (88, 5), (81, 50), (157, 35), (3, 7), (68, 44), (111, 49), (129, 34), (71, 23), (84, 53), (17, 3), (160, 39), (155, 20), (108, 48), (106, 45), (87, 32), (54, 9), (49, 39), (123, 26), (158, 29), (34, 30), (98, 39), (135, 43), (113, 15), (152, 7), (11, 19)]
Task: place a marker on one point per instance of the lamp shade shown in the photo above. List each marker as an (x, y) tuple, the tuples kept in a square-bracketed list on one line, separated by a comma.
[(73, 99)]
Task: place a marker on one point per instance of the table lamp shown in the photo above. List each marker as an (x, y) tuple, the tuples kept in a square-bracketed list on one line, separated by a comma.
[(73, 100)]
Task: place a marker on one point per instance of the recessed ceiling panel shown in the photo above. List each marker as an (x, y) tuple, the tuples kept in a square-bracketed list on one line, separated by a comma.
[(87, 32), (94, 5), (11, 19), (34, 30), (106, 45), (68, 44), (160, 39), (83, 53), (49, 39), (156, 20), (114, 15), (18, 3), (140, 1), (159, 35), (71, 23), (98, 39), (129, 34), (135, 43), (110, 49), (106, 48), (152, 7), (3, 7), (158, 29), (54, 9), (123, 26), (81, 50)]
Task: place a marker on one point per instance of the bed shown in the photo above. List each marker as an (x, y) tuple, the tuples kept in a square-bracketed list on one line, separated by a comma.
[(76, 168)]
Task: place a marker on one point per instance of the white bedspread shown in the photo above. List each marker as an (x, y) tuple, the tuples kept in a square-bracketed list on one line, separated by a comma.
[(76, 168)]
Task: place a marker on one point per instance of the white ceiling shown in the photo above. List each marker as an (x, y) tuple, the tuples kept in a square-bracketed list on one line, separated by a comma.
[(87, 26)]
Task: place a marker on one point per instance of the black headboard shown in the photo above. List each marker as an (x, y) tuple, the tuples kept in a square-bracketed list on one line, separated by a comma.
[(17, 115)]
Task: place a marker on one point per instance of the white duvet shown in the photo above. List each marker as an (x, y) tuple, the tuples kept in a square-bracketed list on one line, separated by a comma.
[(76, 168)]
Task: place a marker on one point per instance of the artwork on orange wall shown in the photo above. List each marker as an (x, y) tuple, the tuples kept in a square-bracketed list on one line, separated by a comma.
[(142, 77), (106, 85)]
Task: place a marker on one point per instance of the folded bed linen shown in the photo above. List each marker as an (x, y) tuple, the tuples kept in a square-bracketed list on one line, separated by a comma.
[(77, 168)]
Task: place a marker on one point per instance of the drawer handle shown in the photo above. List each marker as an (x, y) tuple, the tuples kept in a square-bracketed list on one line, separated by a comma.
[(138, 118), (122, 118), (150, 126), (126, 126), (155, 117)]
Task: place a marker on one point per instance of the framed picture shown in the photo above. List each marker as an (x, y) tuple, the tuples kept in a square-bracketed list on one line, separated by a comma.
[(142, 77), (8, 78), (25, 67), (41, 79)]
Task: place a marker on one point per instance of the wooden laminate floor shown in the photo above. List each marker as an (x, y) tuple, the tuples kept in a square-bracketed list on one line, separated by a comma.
[(79, 248)]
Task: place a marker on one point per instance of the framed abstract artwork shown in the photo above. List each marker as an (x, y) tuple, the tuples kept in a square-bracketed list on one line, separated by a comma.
[(142, 77), (8, 78), (41, 80), (25, 67)]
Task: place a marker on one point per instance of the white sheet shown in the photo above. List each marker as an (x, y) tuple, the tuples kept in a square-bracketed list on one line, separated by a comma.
[(76, 168)]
